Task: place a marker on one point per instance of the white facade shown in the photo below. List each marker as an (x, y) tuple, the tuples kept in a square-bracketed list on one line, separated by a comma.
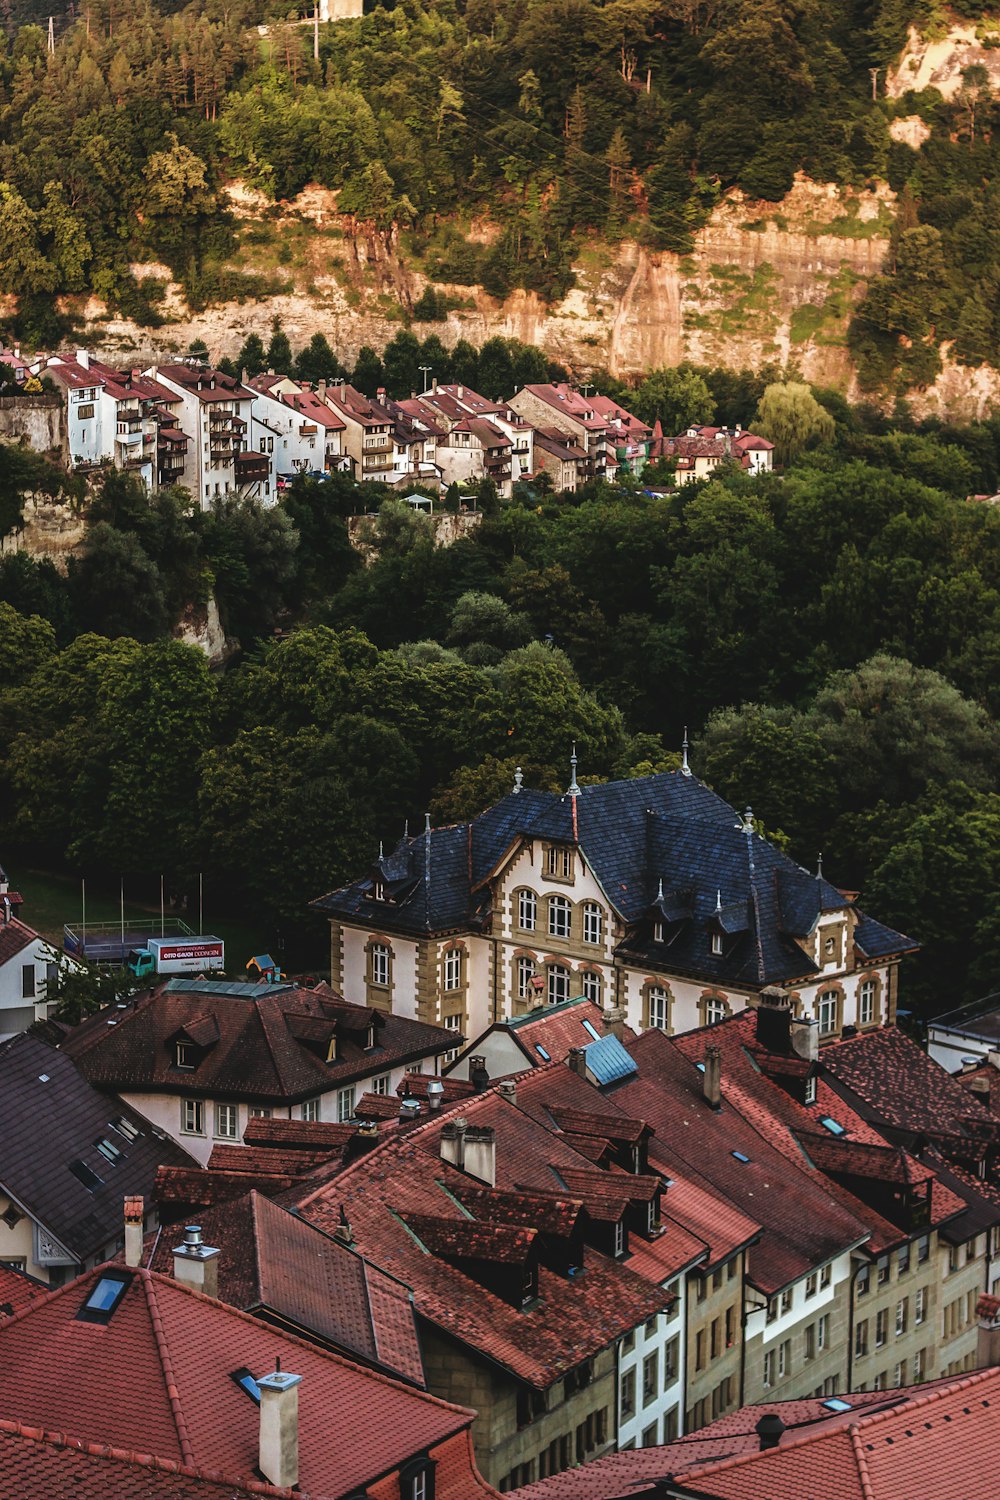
[(23, 978), (651, 1376), (217, 414)]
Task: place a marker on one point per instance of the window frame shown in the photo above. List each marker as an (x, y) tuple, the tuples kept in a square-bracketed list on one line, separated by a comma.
[(554, 979), (561, 907), (220, 1133), (452, 969), (380, 965), (593, 921), (527, 910), (657, 994), (193, 1109)]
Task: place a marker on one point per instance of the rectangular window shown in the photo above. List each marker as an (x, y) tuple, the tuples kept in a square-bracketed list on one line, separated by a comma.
[(861, 1337), (590, 983), (659, 1008), (784, 1358), (380, 1085), (345, 1104), (27, 981), (903, 1260), (772, 1309), (186, 1055), (192, 1117), (827, 1012), (258, 1112), (628, 1395), (380, 964), (882, 1266), (619, 1237), (811, 1341), (823, 1331), (713, 1341), (559, 913), (453, 969), (593, 923), (786, 1301), (769, 1367), (918, 1367), (812, 1284), (881, 1327), (559, 863), (650, 1378), (920, 1305), (451, 1023), (866, 1002), (717, 943), (558, 984), (527, 910), (699, 1349), (902, 1311), (525, 974), (730, 1327), (923, 1249), (826, 1275), (310, 1109), (671, 1361), (227, 1122)]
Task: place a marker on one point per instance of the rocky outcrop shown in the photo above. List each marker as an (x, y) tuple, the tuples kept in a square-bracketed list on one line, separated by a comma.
[(201, 626)]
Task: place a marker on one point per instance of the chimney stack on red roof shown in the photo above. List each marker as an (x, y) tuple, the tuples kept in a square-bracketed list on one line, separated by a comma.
[(481, 1153), (279, 1428), (134, 1214), (508, 1090), (614, 1019), (196, 1265), (453, 1142), (479, 1075), (577, 1059), (712, 1081), (769, 1430)]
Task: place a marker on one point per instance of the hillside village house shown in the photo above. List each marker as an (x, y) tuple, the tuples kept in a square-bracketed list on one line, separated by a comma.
[(200, 1058), (558, 405), (216, 411), (299, 430), (652, 895), (27, 963), (700, 450)]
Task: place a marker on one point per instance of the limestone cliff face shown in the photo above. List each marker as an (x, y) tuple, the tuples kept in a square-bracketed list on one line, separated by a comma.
[(764, 283)]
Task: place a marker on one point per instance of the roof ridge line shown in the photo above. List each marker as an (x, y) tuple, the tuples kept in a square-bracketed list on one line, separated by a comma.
[(864, 1473), (152, 1461), (173, 1394)]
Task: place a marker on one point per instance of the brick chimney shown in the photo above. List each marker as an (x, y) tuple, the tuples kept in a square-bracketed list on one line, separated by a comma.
[(134, 1214), (614, 1021), (980, 1089), (712, 1080), (196, 1265), (804, 1037), (508, 1090), (577, 1060), (279, 1428)]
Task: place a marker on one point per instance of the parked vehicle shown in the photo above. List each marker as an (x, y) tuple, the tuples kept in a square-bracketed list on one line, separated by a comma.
[(177, 955)]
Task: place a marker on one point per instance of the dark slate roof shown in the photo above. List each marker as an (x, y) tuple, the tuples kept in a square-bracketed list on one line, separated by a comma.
[(666, 842), (876, 941), (47, 1127), (270, 1045)]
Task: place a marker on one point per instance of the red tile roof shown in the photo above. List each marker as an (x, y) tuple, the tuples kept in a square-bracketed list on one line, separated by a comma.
[(557, 1028), (156, 1378), (271, 1260), (939, 1443), (17, 1291), (15, 936), (271, 1047)]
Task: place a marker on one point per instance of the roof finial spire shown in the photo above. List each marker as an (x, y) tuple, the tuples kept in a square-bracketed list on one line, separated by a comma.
[(518, 779), (819, 865), (406, 828), (427, 824), (573, 790), (718, 900), (381, 851), (659, 890), (685, 746), (748, 821)]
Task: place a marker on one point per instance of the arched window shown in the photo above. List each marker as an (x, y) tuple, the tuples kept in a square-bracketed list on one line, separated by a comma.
[(867, 1002), (527, 910), (379, 962), (591, 985), (714, 1009), (525, 975), (559, 913), (558, 983), (593, 922), (658, 1008)]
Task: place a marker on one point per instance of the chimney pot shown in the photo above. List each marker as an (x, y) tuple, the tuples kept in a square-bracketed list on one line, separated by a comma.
[(279, 1428), (453, 1142), (712, 1079), (479, 1075), (577, 1060), (435, 1094), (508, 1090), (409, 1109), (769, 1430), (614, 1021), (481, 1154)]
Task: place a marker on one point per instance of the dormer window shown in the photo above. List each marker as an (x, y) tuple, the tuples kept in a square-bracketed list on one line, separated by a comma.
[(559, 862), (619, 1238), (652, 1216), (416, 1481), (811, 1090), (717, 943), (657, 932), (186, 1056), (378, 890), (370, 1037)]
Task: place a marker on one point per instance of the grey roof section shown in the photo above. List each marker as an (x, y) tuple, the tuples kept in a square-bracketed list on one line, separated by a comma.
[(608, 1060), (979, 1019), (47, 1127), (237, 987), (668, 832)]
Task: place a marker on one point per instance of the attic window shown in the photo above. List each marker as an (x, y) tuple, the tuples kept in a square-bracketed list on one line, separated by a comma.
[(83, 1174), (108, 1150), (246, 1382), (837, 1405), (740, 1156), (717, 942), (592, 1030), (833, 1126), (657, 932), (105, 1295), (185, 1055), (378, 890), (810, 1090), (542, 1052), (125, 1127)]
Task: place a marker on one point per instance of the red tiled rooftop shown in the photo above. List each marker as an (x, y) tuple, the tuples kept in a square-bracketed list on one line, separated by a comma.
[(156, 1378), (18, 1291), (558, 1028), (15, 936)]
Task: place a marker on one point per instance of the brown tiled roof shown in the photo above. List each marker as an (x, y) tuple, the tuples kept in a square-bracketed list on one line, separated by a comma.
[(15, 936), (207, 385), (271, 1047), (465, 1239), (557, 1028), (297, 1135), (18, 1290), (157, 1378), (199, 1188), (273, 1261)]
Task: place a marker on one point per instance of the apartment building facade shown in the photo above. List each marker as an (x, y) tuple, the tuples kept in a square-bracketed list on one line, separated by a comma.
[(216, 412)]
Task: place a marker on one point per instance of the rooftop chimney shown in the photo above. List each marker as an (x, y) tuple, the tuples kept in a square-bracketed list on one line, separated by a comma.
[(508, 1090), (435, 1094), (196, 1265), (479, 1074), (769, 1430), (980, 1088), (712, 1080), (409, 1110), (804, 1037), (481, 1154), (453, 1142), (133, 1231), (614, 1021), (577, 1060), (774, 1019), (321, 389), (83, 358), (279, 1429)]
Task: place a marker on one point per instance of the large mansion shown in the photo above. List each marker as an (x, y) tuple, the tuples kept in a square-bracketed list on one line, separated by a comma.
[(651, 895)]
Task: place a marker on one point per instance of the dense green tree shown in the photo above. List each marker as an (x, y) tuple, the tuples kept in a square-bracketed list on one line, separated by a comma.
[(790, 417)]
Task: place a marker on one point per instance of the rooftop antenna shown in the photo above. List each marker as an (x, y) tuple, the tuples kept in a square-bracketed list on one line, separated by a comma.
[(819, 865), (685, 768), (518, 780), (573, 789)]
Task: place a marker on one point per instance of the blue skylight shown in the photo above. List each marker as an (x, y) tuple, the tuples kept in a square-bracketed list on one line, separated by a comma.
[(591, 1030), (833, 1126), (247, 1383), (103, 1298), (740, 1156), (542, 1052), (837, 1405)]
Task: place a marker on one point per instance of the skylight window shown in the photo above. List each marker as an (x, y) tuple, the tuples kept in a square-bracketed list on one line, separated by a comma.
[(108, 1150), (833, 1126), (740, 1156), (43, 1078), (837, 1405), (83, 1174), (246, 1382), (125, 1127), (107, 1292), (592, 1030), (542, 1052)]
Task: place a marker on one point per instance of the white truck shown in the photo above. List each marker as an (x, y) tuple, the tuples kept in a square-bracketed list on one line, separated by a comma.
[(177, 955)]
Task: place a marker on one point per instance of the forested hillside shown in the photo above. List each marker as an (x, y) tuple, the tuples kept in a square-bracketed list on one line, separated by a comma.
[(551, 120)]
